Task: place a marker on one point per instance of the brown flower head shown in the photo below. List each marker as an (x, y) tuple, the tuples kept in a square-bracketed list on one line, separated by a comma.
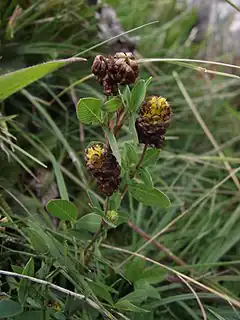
[(104, 167), (99, 67), (114, 70), (154, 118), (127, 68)]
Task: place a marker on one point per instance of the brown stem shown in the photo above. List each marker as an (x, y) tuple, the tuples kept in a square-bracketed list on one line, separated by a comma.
[(136, 170), (161, 247), (120, 122)]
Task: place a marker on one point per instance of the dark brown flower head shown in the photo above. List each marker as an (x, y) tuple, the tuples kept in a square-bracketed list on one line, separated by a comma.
[(114, 70), (154, 118), (99, 67), (104, 167)]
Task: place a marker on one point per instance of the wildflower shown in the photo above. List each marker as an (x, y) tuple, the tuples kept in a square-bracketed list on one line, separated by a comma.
[(104, 167), (114, 70), (154, 117)]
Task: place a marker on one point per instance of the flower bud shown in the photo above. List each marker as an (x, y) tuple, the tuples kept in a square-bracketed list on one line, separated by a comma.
[(104, 167), (154, 117), (112, 216)]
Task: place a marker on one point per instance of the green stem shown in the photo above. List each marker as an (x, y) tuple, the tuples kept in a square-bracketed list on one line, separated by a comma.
[(98, 233), (136, 170)]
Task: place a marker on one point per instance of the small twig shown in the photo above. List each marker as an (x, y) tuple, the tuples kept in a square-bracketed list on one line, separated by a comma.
[(161, 247), (196, 296), (205, 128), (60, 289), (229, 299), (120, 122), (136, 170), (184, 213)]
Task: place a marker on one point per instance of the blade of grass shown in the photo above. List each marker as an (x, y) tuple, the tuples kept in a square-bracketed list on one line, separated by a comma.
[(204, 126)]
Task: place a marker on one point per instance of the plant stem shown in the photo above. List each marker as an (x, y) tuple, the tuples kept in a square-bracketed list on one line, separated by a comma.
[(96, 235), (90, 302), (136, 170), (161, 247)]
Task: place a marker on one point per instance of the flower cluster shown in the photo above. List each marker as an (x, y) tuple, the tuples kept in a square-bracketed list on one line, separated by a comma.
[(154, 117), (104, 167), (114, 70)]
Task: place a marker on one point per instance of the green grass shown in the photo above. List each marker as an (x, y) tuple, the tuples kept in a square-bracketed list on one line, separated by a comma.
[(195, 169)]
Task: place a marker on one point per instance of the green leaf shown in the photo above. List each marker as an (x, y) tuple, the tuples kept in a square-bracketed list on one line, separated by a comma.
[(123, 217), (112, 105), (126, 97), (62, 209), (93, 200), (128, 306), (37, 241), (138, 95), (17, 80), (24, 284), (130, 153), (146, 177), (59, 177), (150, 157), (153, 275), (89, 110), (150, 291), (148, 81), (102, 291), (31, 315), (132, 128), (9, 308), (148, 196), (134, 269), (114, 201), (141, 294), (90, 222), (113, 144)]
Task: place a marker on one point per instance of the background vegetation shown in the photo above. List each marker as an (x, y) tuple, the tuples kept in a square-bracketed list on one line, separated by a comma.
[(197, 236)]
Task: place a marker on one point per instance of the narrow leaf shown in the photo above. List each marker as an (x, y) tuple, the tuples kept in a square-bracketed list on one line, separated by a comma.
[(89, 110), (17, 80), (148, 196), (146, 177), (128, 306), (113, 144), (138, 95), (59, 177), (93, 200), (24, 284), (62, 209)]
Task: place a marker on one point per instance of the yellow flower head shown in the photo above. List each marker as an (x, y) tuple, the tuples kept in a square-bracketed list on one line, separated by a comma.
[(93, 153), (156, 110)]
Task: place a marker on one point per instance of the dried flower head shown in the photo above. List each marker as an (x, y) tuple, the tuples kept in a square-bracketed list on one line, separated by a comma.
[(104, 167), (114, 70), (154, 117)]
